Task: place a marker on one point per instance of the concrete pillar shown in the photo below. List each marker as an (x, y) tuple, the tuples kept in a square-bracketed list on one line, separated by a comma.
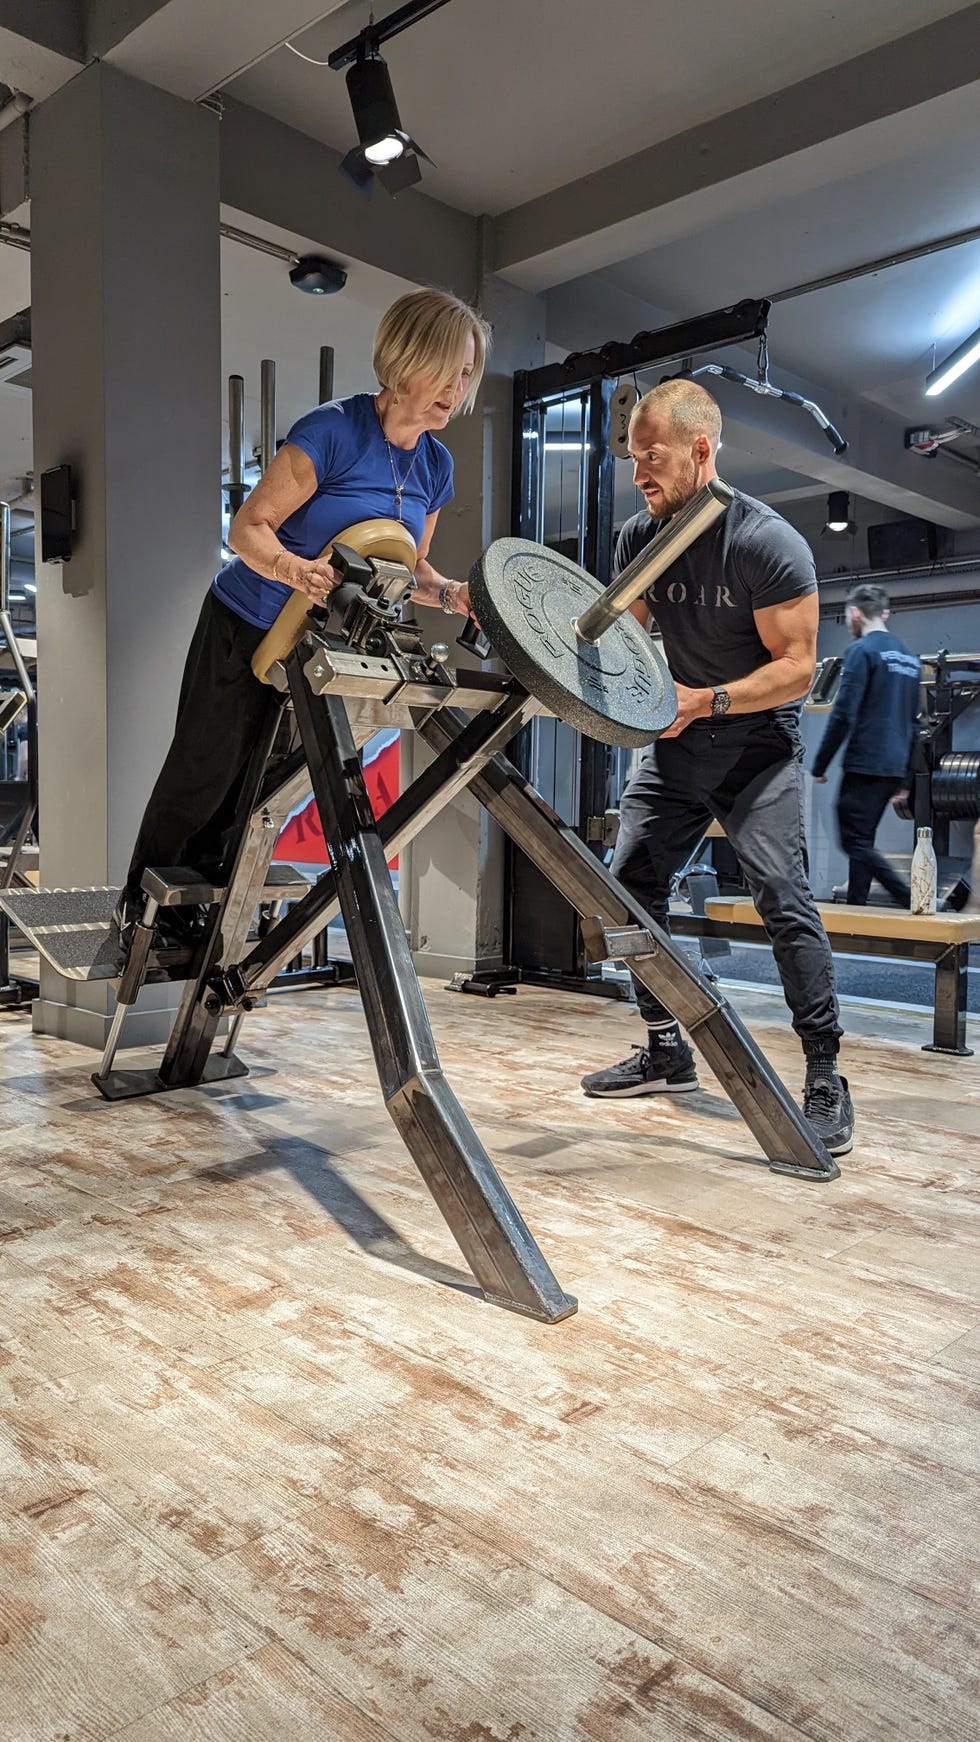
[(126, 376), (452, 876)]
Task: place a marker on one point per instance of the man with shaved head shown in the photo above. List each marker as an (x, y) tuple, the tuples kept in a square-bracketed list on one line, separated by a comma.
[(738, 616)]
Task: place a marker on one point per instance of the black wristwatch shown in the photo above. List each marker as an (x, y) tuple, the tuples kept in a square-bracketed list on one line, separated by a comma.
[(721, 701)]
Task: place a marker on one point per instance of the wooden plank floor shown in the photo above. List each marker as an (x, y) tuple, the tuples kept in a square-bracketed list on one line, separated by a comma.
[(270, 1468)]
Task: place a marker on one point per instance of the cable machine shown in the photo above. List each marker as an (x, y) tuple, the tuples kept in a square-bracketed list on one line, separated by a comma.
[(563, 496)]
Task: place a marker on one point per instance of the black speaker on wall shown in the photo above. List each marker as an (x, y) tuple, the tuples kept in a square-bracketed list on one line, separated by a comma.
[(57, 492), (906, 544)]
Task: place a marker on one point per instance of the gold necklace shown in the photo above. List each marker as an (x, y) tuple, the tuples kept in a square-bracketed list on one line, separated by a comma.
[(399, 483)]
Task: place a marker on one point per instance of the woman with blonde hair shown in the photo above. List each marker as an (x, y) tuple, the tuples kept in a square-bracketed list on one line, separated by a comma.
[(370, 456)]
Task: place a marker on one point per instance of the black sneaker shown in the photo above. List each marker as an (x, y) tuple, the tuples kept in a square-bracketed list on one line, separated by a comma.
[(648, 1071), (175, 928), (181, 928), (957, 898), (827, 1108)]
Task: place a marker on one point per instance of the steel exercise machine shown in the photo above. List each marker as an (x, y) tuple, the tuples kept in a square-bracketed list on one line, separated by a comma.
[(571, 648)]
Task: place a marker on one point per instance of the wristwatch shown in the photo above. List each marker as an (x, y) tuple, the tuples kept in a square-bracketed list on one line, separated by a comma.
[(721, 701)]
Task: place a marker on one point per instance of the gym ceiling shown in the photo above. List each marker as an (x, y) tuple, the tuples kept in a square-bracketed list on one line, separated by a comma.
[(632, 162)]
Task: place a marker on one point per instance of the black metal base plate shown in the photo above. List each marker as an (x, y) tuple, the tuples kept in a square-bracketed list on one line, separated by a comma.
[(485, 982), (128, 1085), (592, 985)]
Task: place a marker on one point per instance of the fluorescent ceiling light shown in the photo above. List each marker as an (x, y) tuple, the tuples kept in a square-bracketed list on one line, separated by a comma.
[(956, 364)]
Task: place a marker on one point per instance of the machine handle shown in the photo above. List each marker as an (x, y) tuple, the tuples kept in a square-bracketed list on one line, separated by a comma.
[(473, 639)]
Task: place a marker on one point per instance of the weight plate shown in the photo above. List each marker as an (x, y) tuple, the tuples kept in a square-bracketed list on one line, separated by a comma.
[(956, 785), (616, 689)]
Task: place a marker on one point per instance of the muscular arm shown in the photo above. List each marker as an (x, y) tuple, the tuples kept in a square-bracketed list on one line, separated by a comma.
[(789, 633), (284, 486)]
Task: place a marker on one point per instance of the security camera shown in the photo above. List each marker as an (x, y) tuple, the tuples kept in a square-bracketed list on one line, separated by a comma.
[(317, 275)]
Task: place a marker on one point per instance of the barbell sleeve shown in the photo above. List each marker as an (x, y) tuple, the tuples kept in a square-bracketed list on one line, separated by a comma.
[(704, 508)]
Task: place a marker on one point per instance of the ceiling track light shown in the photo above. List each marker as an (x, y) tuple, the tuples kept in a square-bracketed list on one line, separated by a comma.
[(839, 513), (956, 364), (384, 152)]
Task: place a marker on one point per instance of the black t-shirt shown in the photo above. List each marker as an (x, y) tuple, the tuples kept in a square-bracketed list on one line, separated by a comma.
[(703, 604)]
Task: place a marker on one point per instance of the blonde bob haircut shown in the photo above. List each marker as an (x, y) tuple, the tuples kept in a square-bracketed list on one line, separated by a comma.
[(424, 334)]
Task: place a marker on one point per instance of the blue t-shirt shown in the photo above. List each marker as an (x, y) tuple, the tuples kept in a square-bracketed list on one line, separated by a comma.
[(353, 465)]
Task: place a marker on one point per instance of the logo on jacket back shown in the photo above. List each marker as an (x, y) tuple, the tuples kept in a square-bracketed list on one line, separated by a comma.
[(902, 664)]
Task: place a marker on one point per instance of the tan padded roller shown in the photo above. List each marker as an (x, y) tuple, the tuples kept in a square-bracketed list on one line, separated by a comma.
[(387, 539)]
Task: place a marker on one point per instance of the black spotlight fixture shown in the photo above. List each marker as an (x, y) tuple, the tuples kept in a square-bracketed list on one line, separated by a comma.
[(384, 152), (839, 513), (317, 275)]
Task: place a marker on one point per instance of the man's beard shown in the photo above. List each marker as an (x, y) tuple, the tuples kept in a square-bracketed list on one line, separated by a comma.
[(681, 491)]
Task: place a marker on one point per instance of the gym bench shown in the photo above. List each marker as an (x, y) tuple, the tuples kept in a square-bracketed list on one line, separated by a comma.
[(941, 938)]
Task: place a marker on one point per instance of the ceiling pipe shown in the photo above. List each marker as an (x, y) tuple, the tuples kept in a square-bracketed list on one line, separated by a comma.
[(919, 251)]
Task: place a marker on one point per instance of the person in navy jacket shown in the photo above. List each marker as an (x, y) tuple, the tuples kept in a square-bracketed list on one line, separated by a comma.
[(874, 718)]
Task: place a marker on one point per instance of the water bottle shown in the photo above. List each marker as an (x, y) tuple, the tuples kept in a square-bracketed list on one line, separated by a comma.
[(924, 874)]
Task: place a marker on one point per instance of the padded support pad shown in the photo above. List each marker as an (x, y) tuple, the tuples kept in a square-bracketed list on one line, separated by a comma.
[(387, 539)]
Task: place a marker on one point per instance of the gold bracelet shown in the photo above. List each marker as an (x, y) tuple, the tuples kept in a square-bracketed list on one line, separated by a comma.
[(275, 567)]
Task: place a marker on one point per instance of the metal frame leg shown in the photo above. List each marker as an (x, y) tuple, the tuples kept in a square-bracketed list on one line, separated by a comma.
[(748, 1078), (949, 1009), (187, 1061), (129, 985), (429, 794), (480, 1213)]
